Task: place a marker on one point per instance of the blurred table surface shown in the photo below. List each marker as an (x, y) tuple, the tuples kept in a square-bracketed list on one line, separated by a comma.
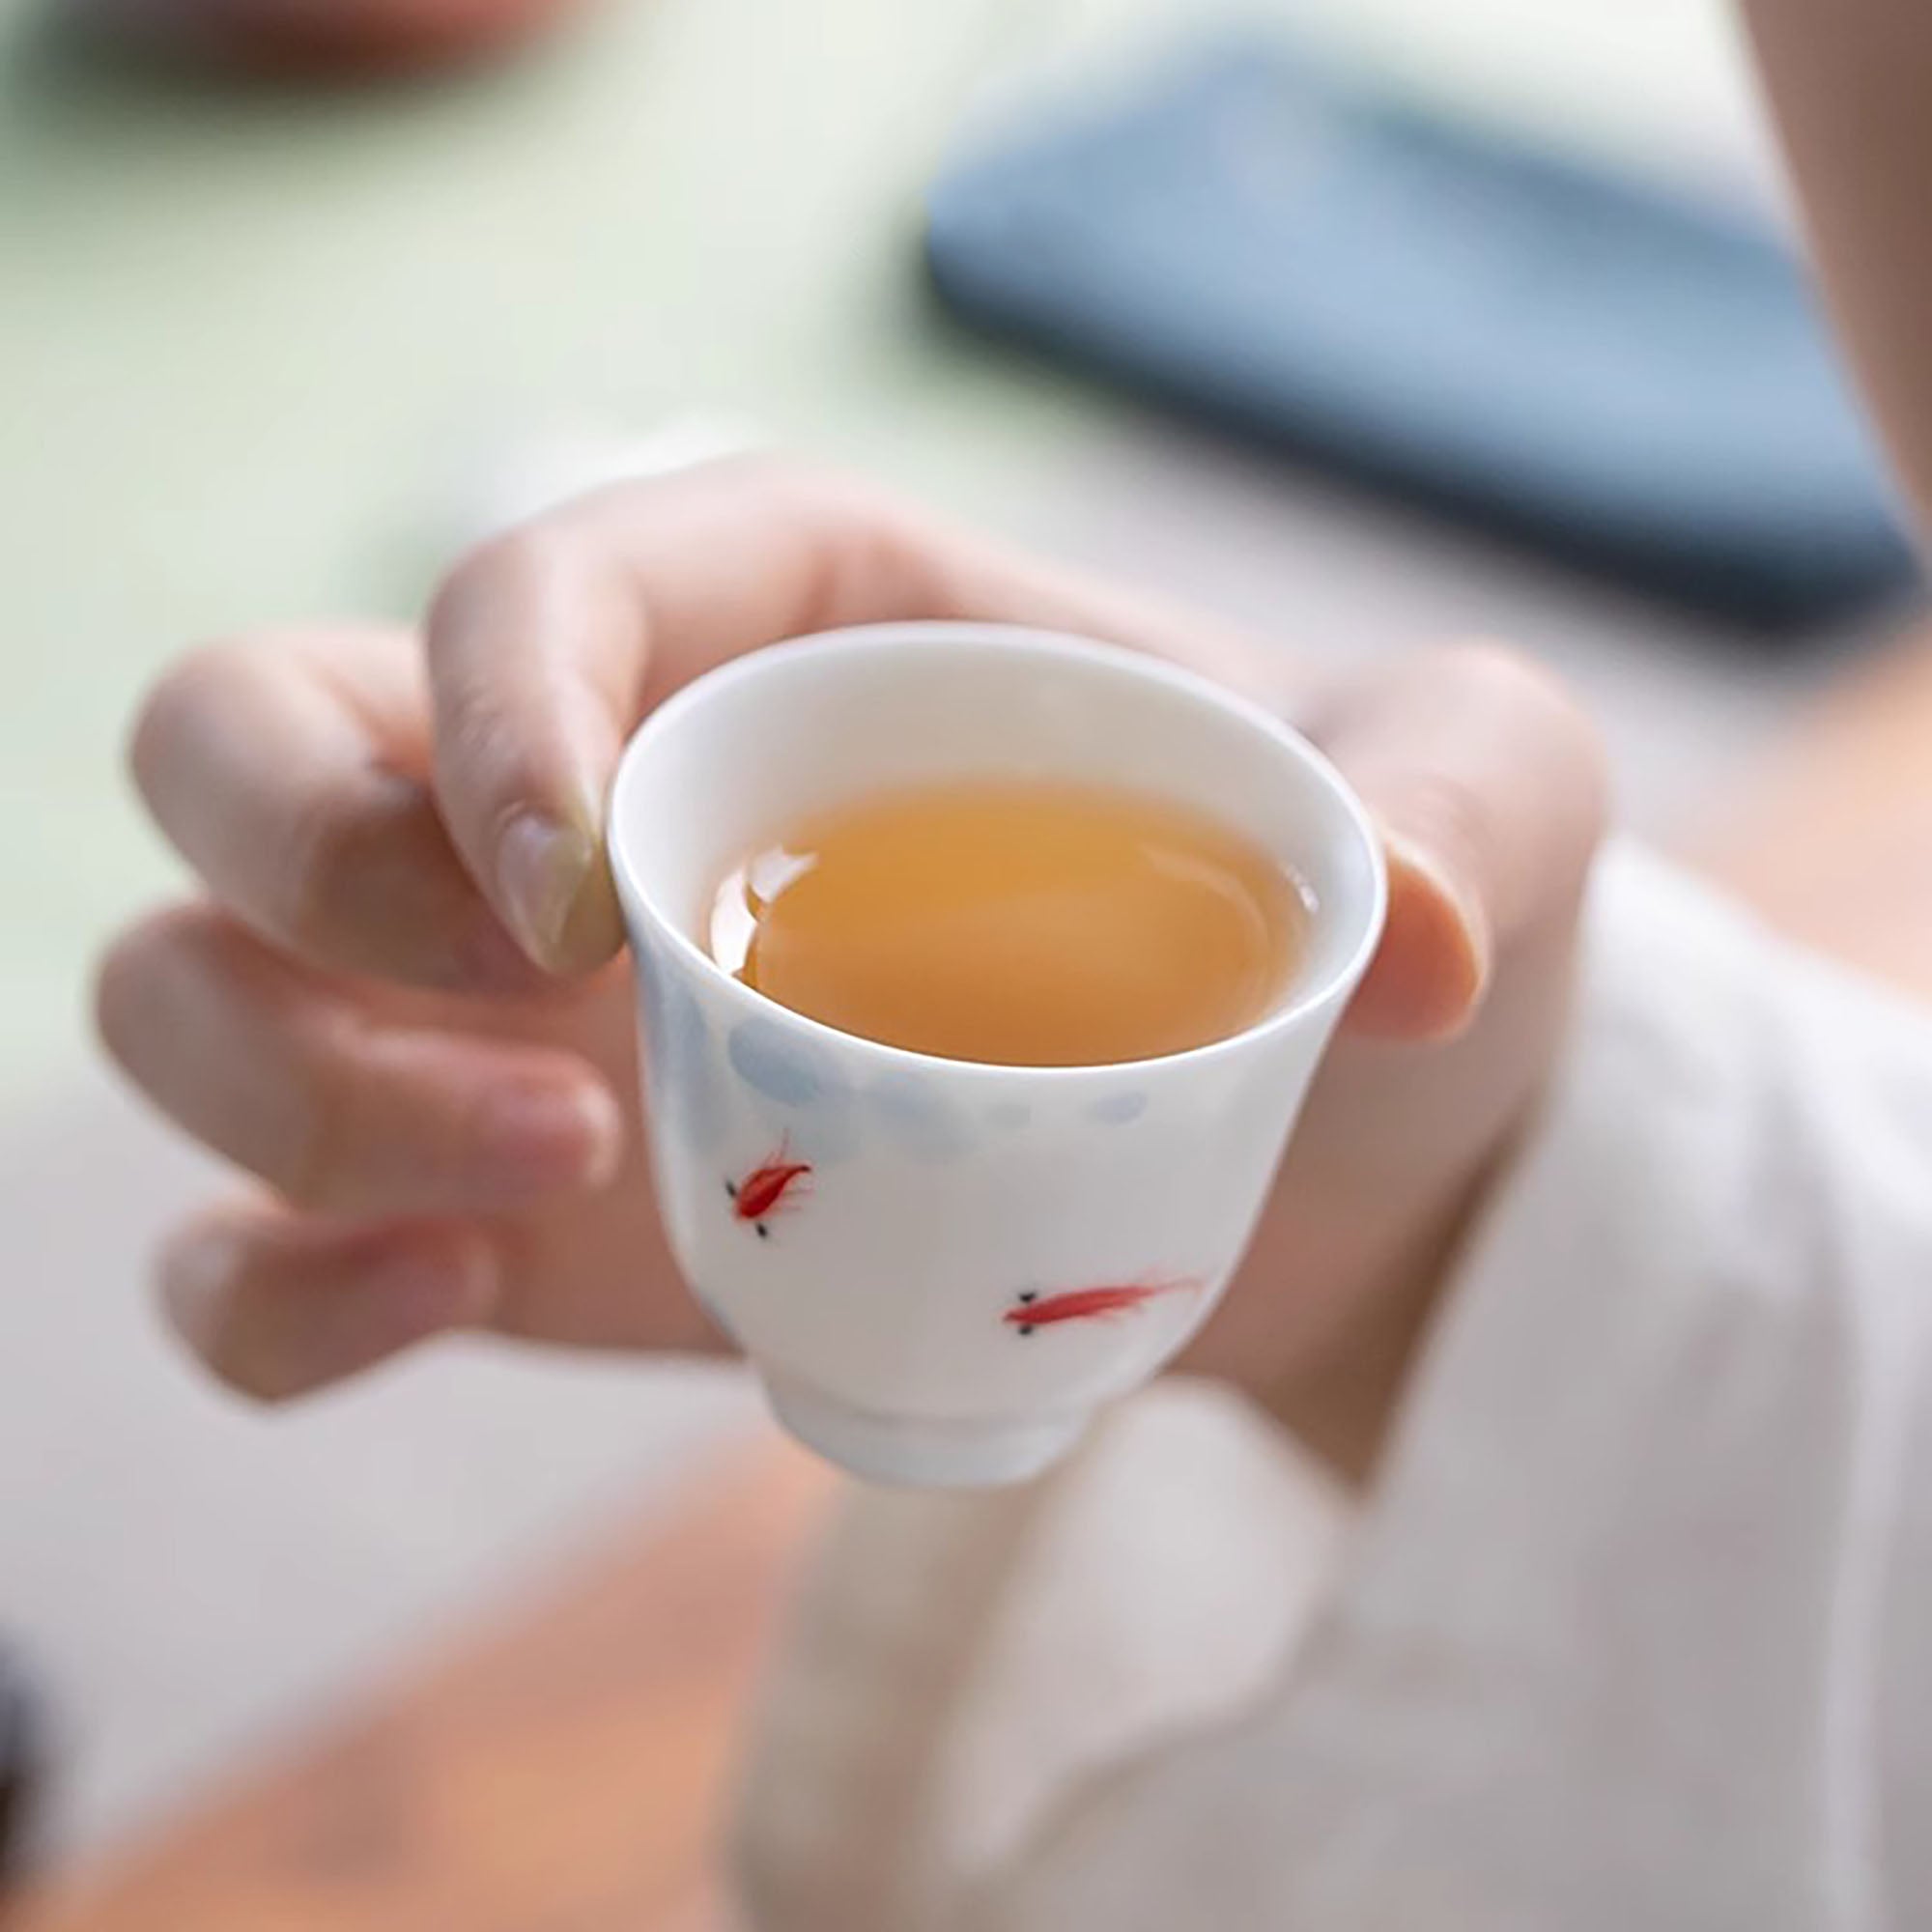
[(562, 1767)]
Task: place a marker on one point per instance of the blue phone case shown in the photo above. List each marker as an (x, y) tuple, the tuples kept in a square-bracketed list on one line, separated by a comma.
[(1640, 385)]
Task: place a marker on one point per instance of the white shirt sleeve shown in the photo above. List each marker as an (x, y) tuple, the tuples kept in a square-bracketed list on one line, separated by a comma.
[(1635, 1633)]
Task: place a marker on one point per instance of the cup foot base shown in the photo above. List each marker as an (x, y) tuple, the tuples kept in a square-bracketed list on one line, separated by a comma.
[(920, 1455)]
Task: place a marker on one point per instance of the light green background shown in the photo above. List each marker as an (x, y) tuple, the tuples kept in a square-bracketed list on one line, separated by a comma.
[(250, 339), (246, 337)]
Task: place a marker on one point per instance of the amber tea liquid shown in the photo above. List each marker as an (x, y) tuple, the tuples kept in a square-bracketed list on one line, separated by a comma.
[(1017, 922)]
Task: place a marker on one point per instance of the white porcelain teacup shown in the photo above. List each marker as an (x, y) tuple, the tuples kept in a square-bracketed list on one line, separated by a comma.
[(941, 1270)]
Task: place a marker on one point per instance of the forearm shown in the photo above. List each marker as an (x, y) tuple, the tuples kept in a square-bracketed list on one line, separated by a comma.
[(1851, 85)]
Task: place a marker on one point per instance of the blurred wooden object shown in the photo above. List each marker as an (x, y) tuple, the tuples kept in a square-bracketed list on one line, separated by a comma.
[(1832, 841), (563, 1771), (345, 39)]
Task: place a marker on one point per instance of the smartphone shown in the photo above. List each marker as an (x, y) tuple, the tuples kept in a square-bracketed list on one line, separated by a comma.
[(1637, 383)]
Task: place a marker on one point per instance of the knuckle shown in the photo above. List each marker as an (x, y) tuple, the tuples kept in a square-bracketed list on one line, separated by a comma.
[(204, 1278), (327, 856), (773, 474), (869, 547), (118, 994), (129, 985), (511, 563), (177, 1004), (780, 481), (1507, 681), (1496, 673), (319, 1167), (177, 704), (1460, 820), (852, 513), (819, 498), (1545, 716), (858, 530)]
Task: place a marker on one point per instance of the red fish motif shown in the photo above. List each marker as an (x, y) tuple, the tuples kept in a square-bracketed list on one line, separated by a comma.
[(1033, 1310), (777, 1183)]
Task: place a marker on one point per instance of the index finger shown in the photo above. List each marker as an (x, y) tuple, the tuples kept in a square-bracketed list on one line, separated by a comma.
[(548, 644)]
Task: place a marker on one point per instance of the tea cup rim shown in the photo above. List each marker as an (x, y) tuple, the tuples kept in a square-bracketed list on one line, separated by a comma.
[(869, 640)]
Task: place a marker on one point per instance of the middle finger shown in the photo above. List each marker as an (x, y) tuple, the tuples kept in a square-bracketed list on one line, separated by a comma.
[(327, 1099)]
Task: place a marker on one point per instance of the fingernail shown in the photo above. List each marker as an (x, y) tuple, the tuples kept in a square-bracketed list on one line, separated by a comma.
[(1431, 975), (1403, 854), (537, 1137), (195, 1275), (541, 867)]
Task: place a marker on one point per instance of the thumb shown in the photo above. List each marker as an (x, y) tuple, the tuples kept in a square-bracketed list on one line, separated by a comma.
[(1487, 784)]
